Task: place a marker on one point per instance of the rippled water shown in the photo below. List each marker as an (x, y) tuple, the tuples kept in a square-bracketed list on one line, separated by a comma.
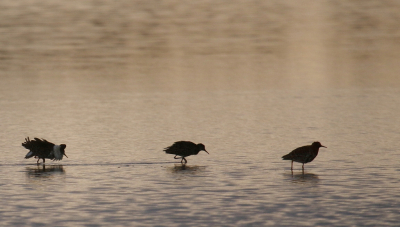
[(252, 81)]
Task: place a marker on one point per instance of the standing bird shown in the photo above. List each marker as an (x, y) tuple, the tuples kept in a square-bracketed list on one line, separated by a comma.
[(41, 149), (184, 149), (303, 154)]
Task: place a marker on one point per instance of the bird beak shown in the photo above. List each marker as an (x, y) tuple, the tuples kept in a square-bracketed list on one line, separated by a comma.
[(206, 151), (323, 146), (66, 155)]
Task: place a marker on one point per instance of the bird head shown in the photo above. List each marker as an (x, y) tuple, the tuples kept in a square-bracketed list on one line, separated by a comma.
[(317, 144), (202, 147), (62, 149)]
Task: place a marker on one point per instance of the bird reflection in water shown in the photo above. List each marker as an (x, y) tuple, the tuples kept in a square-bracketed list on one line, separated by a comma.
[(44, 171), (186, 169), (304, 178)]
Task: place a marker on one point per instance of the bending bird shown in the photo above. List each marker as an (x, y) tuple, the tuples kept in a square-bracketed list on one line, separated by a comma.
[(184, 149), (42, 149)]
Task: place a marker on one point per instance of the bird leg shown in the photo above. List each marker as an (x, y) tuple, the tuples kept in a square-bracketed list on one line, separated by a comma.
[(183, 161), (291, 168), (183, 158), (303, 167)]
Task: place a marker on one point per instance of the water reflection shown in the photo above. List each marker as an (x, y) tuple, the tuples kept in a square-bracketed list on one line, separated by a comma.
[(242, 76), (43, 171), (301, 177), (186, 169)]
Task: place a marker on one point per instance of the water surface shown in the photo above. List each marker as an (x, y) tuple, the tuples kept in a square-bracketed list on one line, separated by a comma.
[(118, 82)]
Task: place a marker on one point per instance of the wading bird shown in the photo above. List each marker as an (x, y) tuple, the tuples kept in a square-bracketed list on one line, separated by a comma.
[(42, 149), (184, 149), (303, 154)]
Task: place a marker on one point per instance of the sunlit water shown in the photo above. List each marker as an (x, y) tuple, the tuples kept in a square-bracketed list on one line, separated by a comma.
[(118, 95)]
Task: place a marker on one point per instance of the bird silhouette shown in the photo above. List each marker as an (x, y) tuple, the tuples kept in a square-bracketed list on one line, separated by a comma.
[(303, 154), (184, 149), (42, 149)]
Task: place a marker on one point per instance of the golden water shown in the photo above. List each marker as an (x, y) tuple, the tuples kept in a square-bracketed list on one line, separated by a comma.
[(252, 80)]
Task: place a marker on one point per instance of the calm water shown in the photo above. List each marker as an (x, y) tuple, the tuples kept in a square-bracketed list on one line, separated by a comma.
[(118, 82)]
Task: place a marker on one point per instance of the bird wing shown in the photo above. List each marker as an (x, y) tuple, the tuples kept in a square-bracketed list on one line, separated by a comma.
[(297, 154), (181, 148), (310, 155), (38, 147), (30, 154), (44, 145)]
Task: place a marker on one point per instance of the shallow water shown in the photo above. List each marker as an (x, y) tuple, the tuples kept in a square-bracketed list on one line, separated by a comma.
[(118, 83)]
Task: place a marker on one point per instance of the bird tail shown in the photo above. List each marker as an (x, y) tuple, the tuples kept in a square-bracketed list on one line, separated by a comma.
[(167, 150), (286, 157), (27, 144)]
